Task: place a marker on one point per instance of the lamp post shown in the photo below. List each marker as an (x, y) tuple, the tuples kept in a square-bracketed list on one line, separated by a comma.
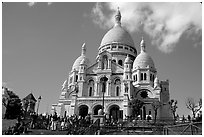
[(39, 98), (76, 89), (104, 79)]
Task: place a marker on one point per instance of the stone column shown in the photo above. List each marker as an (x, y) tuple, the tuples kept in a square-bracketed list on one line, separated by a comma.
[(97, 89), (138, 75), (109, 63), (148, 76), (99, 63), (89, 110), (107, 88)]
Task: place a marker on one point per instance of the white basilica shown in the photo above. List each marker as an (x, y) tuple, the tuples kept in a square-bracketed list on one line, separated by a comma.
[(118, 75)]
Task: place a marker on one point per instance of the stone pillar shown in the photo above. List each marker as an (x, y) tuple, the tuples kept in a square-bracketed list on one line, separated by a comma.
[(109, 63), (95, 88), (89, 110), (148, 76), (109, 88), (138, 75), (97, 92), (74, 104), (99, 62), (129, 111)]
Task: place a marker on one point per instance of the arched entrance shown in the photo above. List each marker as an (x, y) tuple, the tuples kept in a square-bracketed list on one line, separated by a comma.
[(96, 108), (83, 110), (114, 112)]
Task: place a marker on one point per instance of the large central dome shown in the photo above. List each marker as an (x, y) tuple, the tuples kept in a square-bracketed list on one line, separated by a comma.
[(117, 34)]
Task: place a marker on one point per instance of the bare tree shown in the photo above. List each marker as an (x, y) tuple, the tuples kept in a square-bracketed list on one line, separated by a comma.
[(193, 106), (155, 106), (173, 105), (135, 105)]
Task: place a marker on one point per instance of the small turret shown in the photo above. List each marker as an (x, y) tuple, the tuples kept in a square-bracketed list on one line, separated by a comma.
[(65, 85), (127, 68), (156, 82), (127, 60)]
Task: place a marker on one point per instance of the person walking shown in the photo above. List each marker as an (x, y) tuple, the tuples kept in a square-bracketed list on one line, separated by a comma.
[(54, 122)]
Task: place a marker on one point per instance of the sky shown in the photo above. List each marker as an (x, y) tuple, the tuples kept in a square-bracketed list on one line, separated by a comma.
[(40, 42)]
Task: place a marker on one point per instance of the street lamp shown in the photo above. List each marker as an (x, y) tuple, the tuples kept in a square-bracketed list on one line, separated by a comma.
[(103, 80), (76, 89), (39, 98)]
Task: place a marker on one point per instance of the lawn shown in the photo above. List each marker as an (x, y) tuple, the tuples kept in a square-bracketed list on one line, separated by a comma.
[(6, 123)]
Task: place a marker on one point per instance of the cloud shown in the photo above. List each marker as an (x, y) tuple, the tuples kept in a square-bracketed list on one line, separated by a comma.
[(4, 84), (49, 3), (99, 17), (165, 23), (31, 4)]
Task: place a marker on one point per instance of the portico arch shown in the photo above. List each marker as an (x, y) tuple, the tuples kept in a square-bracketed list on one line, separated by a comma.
[(114, 112), (83, 110), (96, 108)]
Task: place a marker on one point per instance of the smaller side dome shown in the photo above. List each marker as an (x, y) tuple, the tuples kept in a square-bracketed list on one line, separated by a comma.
[(143, 60), (81, 59)]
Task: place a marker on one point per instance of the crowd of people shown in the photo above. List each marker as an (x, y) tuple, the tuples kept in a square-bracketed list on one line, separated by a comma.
[(72, 124)]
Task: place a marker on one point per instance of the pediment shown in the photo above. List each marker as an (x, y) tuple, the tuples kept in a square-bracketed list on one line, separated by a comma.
[(93, 68), (116, 68)]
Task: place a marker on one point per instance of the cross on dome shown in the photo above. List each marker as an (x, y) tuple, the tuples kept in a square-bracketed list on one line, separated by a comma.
[(118, 17), (83, 49), (142, 45)]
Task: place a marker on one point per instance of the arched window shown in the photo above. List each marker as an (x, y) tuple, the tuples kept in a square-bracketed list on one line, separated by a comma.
[(117, 90), (141, 76), (120, 62), (117, 83), (145, 76), (104, 62), (126, 76), (90, 87), (90, 91), (136, 77), (103, 84), (150, 77), (114, 60), (76, 78)]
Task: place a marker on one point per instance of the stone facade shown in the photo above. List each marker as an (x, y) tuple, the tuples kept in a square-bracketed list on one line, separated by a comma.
[(118, 75)]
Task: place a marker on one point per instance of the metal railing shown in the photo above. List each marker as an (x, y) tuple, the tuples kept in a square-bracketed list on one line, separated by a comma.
[(193, 128), (93, 128)]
